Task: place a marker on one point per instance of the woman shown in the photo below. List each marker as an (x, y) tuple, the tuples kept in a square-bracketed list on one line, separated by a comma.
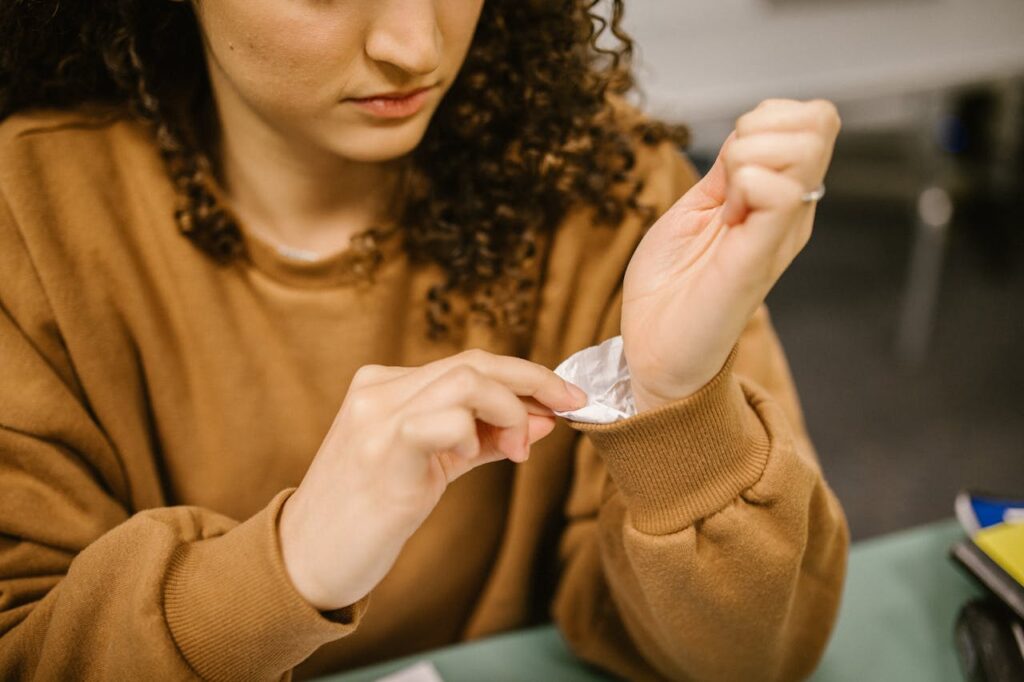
[(282, 284)]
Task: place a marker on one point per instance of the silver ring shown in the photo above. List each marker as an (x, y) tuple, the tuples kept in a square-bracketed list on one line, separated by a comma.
[(815, 195)]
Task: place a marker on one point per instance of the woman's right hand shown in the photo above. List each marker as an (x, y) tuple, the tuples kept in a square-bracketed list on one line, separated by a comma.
[(401, 436)]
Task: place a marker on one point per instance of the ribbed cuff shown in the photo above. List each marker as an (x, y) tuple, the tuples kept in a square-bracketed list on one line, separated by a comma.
[(234, 612), (687, 459)]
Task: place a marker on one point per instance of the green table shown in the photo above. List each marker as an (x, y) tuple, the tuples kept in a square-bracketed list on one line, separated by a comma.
[(896, 623)]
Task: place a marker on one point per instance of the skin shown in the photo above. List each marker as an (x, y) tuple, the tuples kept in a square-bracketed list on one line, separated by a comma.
[(307, 169), (702, 270), (403, 434), (302, 166)]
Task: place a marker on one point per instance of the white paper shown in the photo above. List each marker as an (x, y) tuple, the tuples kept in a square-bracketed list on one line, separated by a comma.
[(602, 372), (424, 671)]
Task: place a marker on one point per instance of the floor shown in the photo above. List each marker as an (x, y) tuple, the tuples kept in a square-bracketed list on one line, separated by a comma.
[(897, 444)]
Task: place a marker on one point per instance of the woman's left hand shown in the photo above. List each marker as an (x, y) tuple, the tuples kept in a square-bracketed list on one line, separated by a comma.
[(706, 265)]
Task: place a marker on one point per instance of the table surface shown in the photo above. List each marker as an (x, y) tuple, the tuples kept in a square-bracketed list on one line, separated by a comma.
[(896, 623)]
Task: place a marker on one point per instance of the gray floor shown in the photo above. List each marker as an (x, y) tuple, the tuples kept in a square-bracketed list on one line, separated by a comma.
[(897, 445)]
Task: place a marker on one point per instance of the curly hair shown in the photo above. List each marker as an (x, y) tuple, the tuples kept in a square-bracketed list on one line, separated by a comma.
[(527, 132)]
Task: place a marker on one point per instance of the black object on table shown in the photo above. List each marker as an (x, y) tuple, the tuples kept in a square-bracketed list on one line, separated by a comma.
[(990, 641)]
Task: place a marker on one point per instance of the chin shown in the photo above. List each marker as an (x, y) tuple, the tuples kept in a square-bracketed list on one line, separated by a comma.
[(379, 144)]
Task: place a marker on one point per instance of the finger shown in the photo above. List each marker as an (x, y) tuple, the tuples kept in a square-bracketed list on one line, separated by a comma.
[(735, 209), (536, 407), (777, 226), (454, 437), (765, 189), (540, 426), (380, 374), (542, 419), (489, 400), (521, 376), (451, 429), (804, 156), (710, 191), (537, 428), (456, 430), (372, 375), (791, 115), (761, 190), (373, 382)]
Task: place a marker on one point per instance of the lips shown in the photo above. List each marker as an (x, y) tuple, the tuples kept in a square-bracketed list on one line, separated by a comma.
[(393, 104)]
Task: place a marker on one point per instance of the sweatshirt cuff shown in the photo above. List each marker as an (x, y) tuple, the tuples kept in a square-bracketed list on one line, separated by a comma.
[(687, 459), (234, 612)]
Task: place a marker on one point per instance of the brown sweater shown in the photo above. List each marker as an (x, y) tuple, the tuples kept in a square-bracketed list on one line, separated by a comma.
[(156, 410)]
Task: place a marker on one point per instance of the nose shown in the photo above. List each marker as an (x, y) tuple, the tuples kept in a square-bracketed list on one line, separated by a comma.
[(405, 34)]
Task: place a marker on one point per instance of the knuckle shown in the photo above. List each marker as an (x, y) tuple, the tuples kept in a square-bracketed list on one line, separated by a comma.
[(465, 424), (734, 154), (744, 123), (459, 419), (407, 429), (366, 374), (359, 404), (464, 377), (827, 114), (746, 176), (410, 429), (474, 355), (460, 429)]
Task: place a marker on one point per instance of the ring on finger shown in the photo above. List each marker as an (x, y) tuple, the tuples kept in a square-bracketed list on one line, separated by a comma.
[(813, 195)]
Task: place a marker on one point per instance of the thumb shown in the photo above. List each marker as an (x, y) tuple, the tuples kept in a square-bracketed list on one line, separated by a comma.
[(711, 190)]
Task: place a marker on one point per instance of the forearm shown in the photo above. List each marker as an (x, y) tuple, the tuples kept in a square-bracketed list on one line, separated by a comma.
[(749, 592), (171, 593), (723, 550)]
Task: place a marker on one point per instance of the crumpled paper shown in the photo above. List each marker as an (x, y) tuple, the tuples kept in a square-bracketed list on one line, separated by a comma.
[(602, 372)]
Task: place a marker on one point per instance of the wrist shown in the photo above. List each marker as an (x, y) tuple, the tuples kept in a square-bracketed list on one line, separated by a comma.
[(646, 399), (652, 395), (327, 572), (296, 562)]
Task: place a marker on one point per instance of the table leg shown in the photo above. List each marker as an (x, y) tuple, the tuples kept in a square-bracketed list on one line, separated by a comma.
[(934, 213)]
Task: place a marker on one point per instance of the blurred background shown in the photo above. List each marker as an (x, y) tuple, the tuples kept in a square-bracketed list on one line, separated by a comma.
[(903, 320)]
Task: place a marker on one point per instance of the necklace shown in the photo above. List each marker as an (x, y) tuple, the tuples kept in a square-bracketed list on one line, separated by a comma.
[(298, 254)]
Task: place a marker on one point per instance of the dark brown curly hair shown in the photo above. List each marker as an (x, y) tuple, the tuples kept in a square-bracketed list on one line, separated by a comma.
[(526, 132)]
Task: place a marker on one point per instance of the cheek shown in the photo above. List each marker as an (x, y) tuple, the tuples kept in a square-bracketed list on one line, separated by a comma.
[(457, 20), (282, 55)]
